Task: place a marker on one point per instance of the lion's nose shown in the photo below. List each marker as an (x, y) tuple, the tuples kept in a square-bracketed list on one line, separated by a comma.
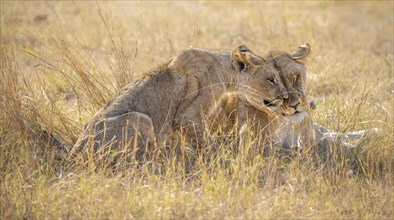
[(285, 97)]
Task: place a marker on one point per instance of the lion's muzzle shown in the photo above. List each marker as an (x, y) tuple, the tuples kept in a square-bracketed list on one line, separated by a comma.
[(292, 107)]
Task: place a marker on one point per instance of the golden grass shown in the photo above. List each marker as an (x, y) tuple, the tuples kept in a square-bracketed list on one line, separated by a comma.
[(60, 62)]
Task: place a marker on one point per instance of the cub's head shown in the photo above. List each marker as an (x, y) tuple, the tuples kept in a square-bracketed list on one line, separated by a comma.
[(258, 81), (293, 74)]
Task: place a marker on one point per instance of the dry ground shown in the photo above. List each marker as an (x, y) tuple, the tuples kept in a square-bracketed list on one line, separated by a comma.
[(60, 61)]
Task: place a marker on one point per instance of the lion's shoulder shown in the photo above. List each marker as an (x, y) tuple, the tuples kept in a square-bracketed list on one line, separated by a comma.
[(195, 58)]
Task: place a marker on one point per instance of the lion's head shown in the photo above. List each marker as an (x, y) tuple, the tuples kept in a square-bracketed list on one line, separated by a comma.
[(293, 74), (261, 84)]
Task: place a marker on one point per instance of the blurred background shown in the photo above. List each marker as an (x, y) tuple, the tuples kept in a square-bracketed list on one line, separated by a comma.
[(161, 29)]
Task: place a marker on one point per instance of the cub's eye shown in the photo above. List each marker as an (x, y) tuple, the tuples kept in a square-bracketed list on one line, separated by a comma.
[(271, 81)]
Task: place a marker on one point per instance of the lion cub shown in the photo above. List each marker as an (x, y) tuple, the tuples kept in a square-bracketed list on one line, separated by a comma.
[(176, 96)]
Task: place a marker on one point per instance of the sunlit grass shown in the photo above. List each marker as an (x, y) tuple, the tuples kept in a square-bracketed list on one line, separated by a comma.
[(60, 62)]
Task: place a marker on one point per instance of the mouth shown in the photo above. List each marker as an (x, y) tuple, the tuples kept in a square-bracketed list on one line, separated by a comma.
[(292, 111), (271, 105), (263, 104)]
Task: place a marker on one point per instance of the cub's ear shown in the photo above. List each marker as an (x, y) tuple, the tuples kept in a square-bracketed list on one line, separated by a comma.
[(302, 52), (243, 59)]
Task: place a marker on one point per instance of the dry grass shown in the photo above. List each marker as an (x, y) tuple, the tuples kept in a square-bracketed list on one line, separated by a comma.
[(60, 61)]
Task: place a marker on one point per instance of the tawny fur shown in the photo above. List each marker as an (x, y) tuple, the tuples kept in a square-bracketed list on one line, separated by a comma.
[(292, 130), (174, 98)]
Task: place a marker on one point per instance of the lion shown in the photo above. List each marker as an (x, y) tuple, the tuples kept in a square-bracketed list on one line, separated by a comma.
[(175, 96), (295, 130), (298, 129)]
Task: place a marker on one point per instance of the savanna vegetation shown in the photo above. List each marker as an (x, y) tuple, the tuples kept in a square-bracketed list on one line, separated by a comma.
[(61, 61)]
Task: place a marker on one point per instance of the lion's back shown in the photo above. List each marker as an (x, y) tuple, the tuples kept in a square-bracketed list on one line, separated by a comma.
[(172, 90)]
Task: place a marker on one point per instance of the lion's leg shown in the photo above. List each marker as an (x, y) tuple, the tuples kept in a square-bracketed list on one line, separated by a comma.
[(129, 135), (221, 117), (194, 133)]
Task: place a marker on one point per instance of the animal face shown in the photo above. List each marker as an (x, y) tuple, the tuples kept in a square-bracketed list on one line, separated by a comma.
[(260, 83), (293, 74)]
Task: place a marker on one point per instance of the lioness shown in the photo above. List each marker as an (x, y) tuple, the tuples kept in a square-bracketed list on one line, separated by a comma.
[(295, 130), (176, 95)]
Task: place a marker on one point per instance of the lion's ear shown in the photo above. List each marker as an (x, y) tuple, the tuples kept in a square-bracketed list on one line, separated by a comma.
[(302, 52), (242, 58)]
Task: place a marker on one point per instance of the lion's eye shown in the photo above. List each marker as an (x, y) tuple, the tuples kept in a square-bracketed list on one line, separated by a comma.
[(271, 81)]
